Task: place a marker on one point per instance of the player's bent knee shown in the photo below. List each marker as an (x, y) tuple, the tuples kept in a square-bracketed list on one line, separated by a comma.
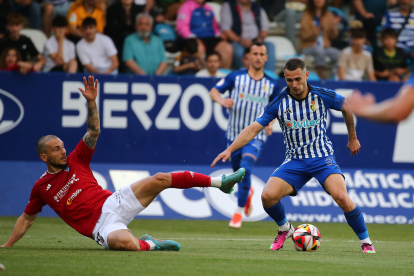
[(269, 199), (343, 200), (162, 179)]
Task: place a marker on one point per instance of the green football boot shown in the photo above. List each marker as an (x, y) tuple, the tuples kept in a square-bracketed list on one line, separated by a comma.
[(162, 245), (228, 181)]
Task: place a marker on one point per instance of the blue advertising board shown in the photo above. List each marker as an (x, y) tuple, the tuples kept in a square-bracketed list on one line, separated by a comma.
[(152, 124)]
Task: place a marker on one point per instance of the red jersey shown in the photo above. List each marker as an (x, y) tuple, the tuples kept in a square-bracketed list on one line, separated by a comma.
[(74, 194)]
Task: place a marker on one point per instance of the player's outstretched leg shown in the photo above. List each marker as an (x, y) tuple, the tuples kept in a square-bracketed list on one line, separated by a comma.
[(245, 193), (162, 245), (335, 185), (275, 189)]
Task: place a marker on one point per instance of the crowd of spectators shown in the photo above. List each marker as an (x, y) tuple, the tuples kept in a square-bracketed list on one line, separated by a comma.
[(357, 39)]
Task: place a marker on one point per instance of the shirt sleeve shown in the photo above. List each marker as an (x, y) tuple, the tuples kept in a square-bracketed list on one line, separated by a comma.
[(332, 100), (183, 21), (82, 153), (31, 48), (110, 47), (264, 21), (225, 84), (72, 53), (127, 51), (83, 56), (226, 19), (268, 115), (35, 204)]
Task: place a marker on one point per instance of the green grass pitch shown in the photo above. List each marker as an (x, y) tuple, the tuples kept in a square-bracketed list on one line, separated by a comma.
[(208, 248)]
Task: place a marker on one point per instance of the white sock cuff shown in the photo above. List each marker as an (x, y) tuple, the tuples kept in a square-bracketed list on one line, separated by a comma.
[(216, 181), (151, 244)]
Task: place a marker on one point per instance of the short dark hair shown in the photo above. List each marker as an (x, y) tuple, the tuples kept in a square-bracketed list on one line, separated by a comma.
[(389, 33), (59, 22), (41, 143), (14, 19), (190, 46), (88, 22), (214, 53), (258, 44), (358, 33), (246, 51), (293, 64)]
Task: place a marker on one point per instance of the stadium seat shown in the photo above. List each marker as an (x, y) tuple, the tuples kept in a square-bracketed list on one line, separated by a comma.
[(216, 9), (38, 38), (313, 77), (284, 49)]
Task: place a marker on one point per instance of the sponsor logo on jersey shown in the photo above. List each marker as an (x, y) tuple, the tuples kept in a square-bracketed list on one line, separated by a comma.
[(302, 124), (313, 106), (65, 188), (72, 197), (251, 98)]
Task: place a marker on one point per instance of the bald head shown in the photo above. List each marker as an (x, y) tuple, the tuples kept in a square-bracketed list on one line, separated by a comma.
[(41, 143)]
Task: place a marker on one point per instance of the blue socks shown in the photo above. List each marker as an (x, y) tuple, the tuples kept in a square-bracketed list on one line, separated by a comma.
[(277, 212), (356, 220), (247, 162)]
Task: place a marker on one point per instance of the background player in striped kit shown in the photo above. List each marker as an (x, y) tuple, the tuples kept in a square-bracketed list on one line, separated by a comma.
[(250, 90), (301, 110)]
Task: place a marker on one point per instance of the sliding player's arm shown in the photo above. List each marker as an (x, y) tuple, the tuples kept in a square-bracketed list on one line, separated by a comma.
[(353, 143), (393, 110), (245, 136), (90, 93), (23, 223)]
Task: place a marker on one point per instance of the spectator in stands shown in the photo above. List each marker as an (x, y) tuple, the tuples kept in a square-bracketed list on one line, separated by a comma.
[(145, 5), (52, 8), (80, 10), (212, 63), (6, 7), (189, 62), (120, 23), (196, 19), (170, 7), (371, 12), (27, 50), (96, 51), (390, 61), (291, 14), (10, 60), (166, 33), (144, 53), (354, 61), (401, 20), (318, 28), (29, 9), (60, 52), (243, 22), (246, 64)]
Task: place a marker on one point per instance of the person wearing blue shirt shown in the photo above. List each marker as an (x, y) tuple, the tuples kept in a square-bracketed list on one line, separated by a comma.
[(250, 91), (144, 53), (301, 111)]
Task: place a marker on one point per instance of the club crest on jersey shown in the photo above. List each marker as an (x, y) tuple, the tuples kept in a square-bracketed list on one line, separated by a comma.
[(313, 106)]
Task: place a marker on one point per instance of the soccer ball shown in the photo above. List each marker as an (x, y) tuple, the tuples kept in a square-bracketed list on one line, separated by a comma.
[(306, 238)]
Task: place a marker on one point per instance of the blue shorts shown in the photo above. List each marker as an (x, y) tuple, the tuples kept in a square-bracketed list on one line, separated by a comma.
[(254, 147), (297, 172)]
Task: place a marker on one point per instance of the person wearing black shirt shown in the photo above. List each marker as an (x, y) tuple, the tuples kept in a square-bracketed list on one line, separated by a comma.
[(390, 61), (120, 23), (6, 7), (22, 43)]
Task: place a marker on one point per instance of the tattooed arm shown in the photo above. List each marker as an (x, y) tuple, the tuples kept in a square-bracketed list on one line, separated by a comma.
[(353, 143), (90, 93)]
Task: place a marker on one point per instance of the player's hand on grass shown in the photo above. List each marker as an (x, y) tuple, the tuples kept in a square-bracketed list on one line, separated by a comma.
[(224, 156), (227, 103), (91, 88), (354, 146)]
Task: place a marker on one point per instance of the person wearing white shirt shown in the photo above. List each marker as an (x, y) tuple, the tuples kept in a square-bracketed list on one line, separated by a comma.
[(212, 62), (60, 52), (97, 52)]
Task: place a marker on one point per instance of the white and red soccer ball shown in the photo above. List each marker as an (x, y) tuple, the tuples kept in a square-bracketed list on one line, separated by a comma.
[(306, 238)]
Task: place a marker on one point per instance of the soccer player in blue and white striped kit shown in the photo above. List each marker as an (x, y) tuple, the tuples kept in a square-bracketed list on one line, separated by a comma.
[(250, 91), (301, 110)]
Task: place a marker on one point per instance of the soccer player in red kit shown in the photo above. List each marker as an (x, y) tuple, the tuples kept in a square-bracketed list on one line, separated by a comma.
[(70, 189)]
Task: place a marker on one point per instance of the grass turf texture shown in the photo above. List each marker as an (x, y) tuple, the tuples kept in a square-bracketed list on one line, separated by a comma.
[(51, 247)]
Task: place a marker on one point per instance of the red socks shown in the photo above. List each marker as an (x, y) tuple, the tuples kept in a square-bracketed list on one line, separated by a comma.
[(144, 246), (185, 180)]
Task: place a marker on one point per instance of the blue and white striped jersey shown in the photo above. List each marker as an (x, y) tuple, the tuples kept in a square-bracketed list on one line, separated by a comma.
[(304, 122), (250, 98), (393, 19)]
